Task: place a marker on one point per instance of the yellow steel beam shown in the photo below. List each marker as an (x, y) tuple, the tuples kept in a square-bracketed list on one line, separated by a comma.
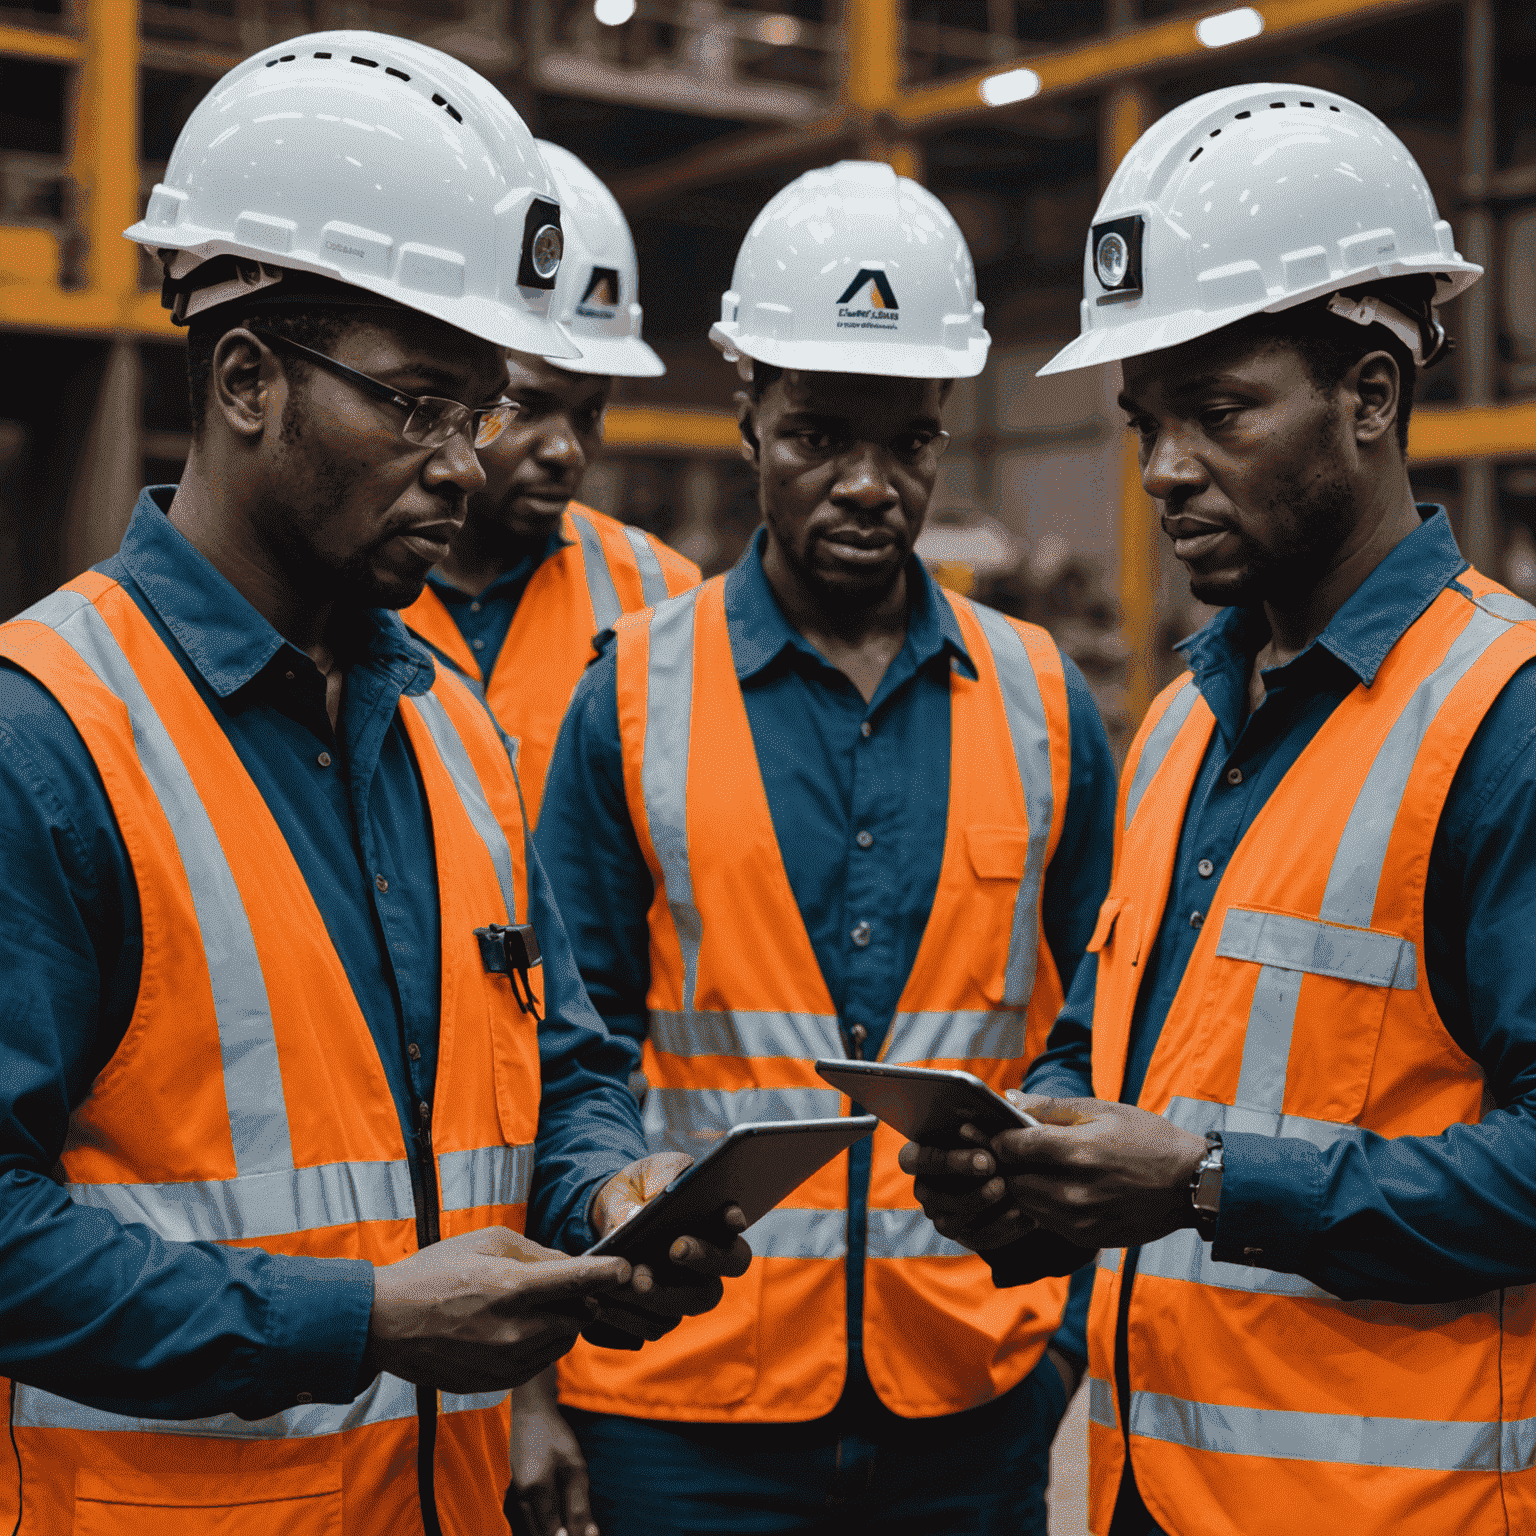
[(872, 80), (105, 150), (1444, 434), (1120, 55), (1093, 64), (44, 47), (665, 429)]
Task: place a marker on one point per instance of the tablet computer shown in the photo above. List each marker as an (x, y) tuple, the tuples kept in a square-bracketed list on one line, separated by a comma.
[(754, 1166), (926, 1104)]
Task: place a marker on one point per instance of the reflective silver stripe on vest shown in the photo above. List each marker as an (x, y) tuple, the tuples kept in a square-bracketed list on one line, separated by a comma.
[(1031, 738), (790, 1233), (664, 770), (1362, 852), (653, 582), (908, 1235), (1101, 1402), (1519, 1445), (746, 1033), (1169, 724), (691, 1120), (1353, 880), (1320, 949), (1428, 1445), (455, 755), (1109, 1258), (253, 1085), (485, 1176), (385, 1398), (275, 1204), (1506, 606), (606, 607), (961, 1034)]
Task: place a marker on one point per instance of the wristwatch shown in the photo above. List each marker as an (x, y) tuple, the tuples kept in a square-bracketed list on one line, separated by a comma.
[(1205, 1187)]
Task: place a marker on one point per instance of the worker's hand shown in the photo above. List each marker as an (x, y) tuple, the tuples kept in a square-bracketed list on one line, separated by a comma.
[(1101, 1175), (482, 1312), (659, 1296), (963, 1195), (549, 1494)]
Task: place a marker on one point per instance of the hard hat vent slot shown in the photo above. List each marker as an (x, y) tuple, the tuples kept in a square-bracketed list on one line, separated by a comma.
[(322, 55), (287, 58), (437, 101), (1276, 106), (1306, 103), (1244, 114), (399, 74), (1198, 152), (369, 63)]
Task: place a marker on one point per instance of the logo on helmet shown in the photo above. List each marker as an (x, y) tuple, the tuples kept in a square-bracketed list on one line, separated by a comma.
[(881, 312), (602, 290), (1116, 248)]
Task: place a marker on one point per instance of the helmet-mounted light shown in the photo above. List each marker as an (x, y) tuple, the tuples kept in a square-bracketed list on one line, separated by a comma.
[(1117, 257)]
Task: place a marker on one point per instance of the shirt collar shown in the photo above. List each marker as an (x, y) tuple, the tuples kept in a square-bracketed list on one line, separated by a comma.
[(1377, 615), (760, 633), (224, 637), (512, 580)]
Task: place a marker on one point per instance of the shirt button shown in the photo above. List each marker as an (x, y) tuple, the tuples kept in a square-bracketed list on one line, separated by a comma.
[(413, 1051), (479, 645), (381, 882), (1197, 920), (324, 759), (860, 934), (1234, 775), (866, 730), (474, 607), (304, 1397), (1206, 868), (865, 840), (289, 676)]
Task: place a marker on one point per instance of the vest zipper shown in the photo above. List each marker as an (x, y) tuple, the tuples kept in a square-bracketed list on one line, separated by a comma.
[(1127, 1496), (428, 1231)]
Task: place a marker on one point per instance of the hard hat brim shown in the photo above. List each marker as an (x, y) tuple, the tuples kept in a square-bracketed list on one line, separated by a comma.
[(486, 319), (619, 357), (1136, 338), (891, 360)]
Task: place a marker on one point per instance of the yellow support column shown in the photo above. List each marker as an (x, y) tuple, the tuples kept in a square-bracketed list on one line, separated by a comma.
[(1126, 111), (105, 157), (874, 55)]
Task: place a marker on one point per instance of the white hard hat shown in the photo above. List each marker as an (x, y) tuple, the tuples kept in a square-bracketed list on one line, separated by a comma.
[(854, 269), (597, 295), (1256, 197), (374, 161)]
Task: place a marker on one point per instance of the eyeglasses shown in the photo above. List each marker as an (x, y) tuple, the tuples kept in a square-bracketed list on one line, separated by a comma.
[(431, 421)]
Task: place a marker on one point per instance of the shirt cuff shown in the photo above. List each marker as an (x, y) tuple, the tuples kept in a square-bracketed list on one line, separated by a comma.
[(317, 1331), (1271, 1201)]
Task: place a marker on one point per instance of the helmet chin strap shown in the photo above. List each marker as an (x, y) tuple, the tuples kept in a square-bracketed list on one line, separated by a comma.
[(1369, 309)]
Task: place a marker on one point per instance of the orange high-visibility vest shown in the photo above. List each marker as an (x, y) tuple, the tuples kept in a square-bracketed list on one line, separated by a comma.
[(605, 569), (247, 1103), (1260, 1404), (739, 1010)]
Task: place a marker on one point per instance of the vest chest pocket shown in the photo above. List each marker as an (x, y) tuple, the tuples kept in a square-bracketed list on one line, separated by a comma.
[(1295, 1008), (998, 855), (292, 1501)]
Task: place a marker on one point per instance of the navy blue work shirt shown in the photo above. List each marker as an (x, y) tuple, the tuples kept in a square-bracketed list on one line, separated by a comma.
[(484, 617), (112, 1315), (1411, 1219), (835, 769)]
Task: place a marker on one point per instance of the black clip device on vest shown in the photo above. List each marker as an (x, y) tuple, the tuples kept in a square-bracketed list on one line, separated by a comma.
[(512, 951)]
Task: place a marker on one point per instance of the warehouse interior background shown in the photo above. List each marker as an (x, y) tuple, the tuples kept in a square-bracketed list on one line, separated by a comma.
[(696, 112)]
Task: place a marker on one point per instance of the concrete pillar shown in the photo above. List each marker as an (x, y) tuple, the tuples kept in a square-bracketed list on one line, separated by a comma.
[(109, 470)]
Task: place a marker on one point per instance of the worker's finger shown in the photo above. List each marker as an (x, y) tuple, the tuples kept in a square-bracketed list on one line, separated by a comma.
[(950, 1162)]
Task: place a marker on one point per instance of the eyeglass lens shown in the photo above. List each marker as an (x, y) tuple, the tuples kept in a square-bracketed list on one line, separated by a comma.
[(434, 421)]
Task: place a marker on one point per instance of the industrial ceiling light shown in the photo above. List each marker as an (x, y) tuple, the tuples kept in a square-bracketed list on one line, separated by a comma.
[(781, 31), (1229, 27), (613, 13), (1013, 85)]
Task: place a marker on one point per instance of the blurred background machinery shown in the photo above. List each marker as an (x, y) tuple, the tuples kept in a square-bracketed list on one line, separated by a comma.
[(696, 111)]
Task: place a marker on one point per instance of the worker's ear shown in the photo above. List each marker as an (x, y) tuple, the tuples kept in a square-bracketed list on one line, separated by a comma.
[(746, 419), (247, 386)]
